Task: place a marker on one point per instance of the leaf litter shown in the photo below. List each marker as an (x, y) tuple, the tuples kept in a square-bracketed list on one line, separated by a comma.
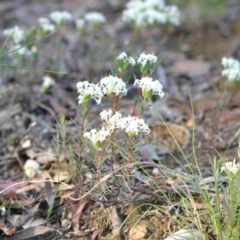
[(105, 210)]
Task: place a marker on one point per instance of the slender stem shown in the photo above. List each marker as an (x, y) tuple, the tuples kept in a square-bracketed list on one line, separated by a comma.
[(116, 101), (98, 165), (78, 178), (136, 101), (98, 157), (84, 116), (82, 131), (130, 157), (112, 150)]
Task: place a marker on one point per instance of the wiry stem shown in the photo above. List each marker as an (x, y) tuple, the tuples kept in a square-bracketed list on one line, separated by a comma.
[(130, 157), (136, 101), (98, 165)]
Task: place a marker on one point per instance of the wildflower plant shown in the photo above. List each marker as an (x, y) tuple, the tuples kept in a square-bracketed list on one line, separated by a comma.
[(94, 19), (16, 34), (61, 17), (147, 13), (231, 69), (148, 63), (114, 119), (122, 62), (149, 87), (45, 26), (80, 24), (112, 86), (47, 83)]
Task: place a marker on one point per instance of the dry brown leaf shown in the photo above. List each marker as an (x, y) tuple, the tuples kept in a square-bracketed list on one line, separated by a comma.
[(61, 176), (32, 232), (166, 134), (192, 234), (76, 216), (116, 221), (192, 68)]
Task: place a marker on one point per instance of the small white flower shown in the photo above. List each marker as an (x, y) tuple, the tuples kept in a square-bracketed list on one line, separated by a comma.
[(61, 17), (22, 51), (80, 23), (149, 87), (229, 62), (46, 25), (232, 167), (43, 20), (143, 13), (132, 61), (146, 58), (97, 137), (133, 125), (231, 68), (123, 57), (87, 91), (16, 34), (47, 82), (173, 15), (95, 17), (31, 168), (112, 119), (112, 86)]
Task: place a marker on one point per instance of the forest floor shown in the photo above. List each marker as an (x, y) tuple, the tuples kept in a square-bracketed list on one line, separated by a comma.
[(199, 109)]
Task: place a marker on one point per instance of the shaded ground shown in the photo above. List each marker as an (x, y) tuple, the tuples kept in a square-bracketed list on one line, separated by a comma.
[(30, 129)]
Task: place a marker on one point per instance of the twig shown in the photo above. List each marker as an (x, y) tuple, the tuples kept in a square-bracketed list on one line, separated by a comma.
[(35, 181)]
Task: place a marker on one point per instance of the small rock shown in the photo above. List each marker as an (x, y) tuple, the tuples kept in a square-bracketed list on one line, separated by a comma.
[(137, 232)]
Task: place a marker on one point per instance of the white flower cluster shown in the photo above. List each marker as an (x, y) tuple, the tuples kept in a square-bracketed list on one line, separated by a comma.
[(97, 137), (47, 82), (111, 118), (60, 17), (146, 58), (133, 125), (123, 57), (112, 86), (149, 87), (232, 167), (94, 17), (231, 69), (17, 35), (80, 23), (87, 91), (21, 50), (46, 25), (145, 13)]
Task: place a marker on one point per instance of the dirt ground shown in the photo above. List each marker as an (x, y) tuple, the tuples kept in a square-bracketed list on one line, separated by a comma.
[(30, 126)]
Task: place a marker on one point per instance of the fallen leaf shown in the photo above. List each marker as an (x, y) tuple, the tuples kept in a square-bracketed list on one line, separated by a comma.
[(192, 68), (182, 234), (165, 136), (76, 216)]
